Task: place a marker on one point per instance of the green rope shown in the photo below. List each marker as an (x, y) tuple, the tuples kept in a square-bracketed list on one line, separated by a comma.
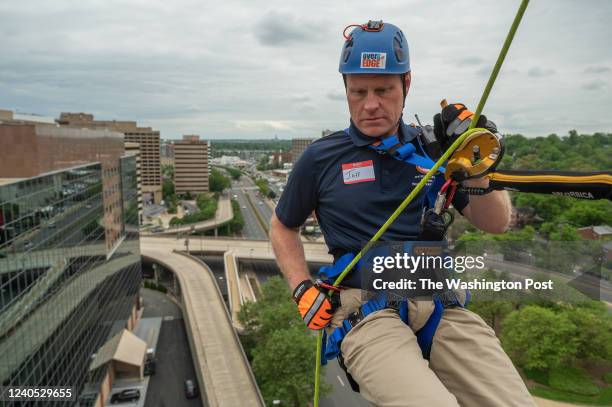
[(499, 62), (471, 130)]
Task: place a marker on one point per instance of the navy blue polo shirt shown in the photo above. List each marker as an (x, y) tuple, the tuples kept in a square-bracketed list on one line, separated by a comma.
[(353, 191)]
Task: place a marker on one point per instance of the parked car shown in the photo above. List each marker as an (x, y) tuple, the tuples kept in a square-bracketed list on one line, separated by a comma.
[(125, 395), (149, 368), (191, 391)]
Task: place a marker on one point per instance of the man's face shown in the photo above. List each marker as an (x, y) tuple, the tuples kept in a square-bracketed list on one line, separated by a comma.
[(375, 102)]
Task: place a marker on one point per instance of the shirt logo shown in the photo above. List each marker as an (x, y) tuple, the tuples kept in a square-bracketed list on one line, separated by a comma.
[(375, 60), (354, 173)]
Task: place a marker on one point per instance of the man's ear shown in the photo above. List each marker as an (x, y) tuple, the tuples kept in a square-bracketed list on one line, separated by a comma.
[(407, 80)]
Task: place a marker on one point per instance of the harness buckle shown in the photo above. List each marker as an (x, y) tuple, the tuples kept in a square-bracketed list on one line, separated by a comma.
[(448, 298), (355, 317)]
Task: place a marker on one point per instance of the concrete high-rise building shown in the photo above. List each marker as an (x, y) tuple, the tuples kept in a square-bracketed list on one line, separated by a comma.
[(70, 266), (146, 137), (298, 145), (191, 165)]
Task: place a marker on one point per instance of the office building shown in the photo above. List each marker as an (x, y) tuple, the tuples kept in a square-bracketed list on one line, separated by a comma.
[(191, 165), (70, 267), (147, 138), (298, 145), (279, 158)]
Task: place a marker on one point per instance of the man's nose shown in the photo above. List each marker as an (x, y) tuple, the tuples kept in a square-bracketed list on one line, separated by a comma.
[(372, 102)]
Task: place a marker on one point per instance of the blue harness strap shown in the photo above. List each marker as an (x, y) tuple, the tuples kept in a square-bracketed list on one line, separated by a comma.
[(407, 153), (332, 349), (329, 273)]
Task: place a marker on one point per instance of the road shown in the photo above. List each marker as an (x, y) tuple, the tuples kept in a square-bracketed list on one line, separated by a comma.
[(586, 283), (174, 362), (262, 208), (223, 215), (252, 227), (220, 363)]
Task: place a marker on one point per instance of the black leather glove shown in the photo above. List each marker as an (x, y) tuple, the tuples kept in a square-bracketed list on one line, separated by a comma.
[(454, 121)]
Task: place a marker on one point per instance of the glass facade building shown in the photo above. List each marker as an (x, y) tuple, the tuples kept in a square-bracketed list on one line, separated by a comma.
[(70, 273)]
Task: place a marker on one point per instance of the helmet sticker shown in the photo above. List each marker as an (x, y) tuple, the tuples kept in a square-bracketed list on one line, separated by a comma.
[(376, 60)]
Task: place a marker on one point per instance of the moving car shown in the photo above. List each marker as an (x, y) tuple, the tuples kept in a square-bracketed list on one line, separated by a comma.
[(191, 391), (125, 395)]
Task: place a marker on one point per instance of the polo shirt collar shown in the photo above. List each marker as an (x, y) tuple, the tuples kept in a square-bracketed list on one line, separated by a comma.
[(361, 140)]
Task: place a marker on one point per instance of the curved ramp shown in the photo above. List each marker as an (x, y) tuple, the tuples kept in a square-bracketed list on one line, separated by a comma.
[(222, 368)]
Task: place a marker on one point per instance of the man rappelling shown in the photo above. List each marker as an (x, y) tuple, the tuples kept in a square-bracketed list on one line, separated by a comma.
[(354, 180)]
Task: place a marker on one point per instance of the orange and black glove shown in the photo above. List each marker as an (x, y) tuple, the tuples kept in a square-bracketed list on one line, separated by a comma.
[(314, 305), (454, 121)]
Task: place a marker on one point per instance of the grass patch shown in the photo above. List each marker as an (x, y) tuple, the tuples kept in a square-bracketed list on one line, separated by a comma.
[(572, 380), (607, 377), (538, 376)]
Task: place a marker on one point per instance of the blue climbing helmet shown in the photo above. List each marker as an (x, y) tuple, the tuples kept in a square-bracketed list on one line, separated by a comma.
[(375, 47)]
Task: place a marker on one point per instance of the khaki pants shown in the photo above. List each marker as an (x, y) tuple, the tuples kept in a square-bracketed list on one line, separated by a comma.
[(467, 366)]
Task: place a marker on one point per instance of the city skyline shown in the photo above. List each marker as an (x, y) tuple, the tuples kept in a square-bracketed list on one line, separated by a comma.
[(257, 72)]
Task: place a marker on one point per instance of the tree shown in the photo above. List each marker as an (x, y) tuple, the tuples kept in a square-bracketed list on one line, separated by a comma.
[(263, 163), (168, 190), (284, 366), (587, 213), (234, 173), (217, 181), (493, 312), (281, 348), (538, 338), (168, 171), (594, 331)]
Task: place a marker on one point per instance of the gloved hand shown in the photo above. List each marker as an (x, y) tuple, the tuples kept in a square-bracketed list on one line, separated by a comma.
[(454, 121), (313, 304)]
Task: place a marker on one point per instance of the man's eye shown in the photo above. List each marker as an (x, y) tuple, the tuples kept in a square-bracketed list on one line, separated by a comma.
[(360, 92)]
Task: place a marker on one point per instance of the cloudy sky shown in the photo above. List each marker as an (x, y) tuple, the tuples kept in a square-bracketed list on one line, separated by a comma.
[(259, 69)]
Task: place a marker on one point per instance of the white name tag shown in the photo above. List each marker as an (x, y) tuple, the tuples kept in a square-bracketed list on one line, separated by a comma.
[(362, 171)]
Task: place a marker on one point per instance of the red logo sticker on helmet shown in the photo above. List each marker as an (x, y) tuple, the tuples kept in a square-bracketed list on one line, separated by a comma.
[(376, 60), (422, 170)]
